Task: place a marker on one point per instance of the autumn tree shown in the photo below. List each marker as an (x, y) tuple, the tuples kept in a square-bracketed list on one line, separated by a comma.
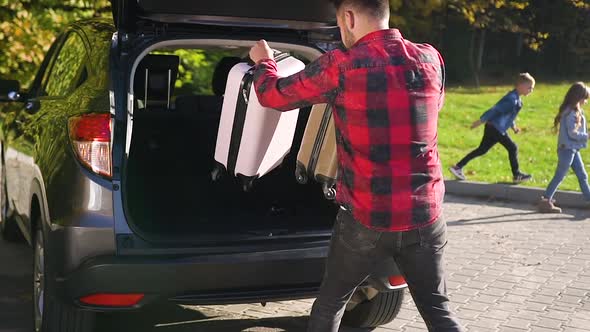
[(28, 27), (492, 15), (418, 20), (567, 27)]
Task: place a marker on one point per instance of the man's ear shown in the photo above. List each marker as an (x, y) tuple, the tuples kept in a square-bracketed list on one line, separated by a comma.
[(349, 19)]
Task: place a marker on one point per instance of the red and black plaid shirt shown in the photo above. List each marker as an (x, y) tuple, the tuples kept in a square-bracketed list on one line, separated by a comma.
[(386, 94)]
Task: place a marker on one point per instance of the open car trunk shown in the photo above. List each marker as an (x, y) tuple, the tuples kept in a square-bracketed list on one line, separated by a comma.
[(168, 188), (301, 14)]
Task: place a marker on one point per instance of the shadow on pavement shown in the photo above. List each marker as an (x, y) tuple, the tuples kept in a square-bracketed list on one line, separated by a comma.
[(528, 210), (490, 219), (174, 318), (16, 287)]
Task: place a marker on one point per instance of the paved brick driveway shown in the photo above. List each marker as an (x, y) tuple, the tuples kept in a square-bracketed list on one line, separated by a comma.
[(509, 268)]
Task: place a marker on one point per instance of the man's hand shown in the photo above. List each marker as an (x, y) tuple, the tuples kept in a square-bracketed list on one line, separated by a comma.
[(260, 51), (476, 124), (516, 129)]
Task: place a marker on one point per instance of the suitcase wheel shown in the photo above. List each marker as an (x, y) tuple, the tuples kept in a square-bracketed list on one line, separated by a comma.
[(248, 184), (329, 192), (217, 173), (301, 175), (247, 181)]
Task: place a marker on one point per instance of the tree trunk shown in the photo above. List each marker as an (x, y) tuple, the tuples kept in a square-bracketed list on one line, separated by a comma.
[(519, 44), (480, 49), (471, 58)]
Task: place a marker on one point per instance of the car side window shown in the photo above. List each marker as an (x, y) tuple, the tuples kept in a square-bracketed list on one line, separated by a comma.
[(68, 69)]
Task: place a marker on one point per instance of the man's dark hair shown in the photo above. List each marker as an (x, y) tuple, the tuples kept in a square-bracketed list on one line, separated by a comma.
[(376, 8)]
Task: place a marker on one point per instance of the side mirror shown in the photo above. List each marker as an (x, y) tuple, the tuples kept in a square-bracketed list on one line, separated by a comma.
[(9, 90)]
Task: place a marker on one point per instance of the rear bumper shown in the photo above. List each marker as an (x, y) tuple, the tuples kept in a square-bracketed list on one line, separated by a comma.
[(211, 279)]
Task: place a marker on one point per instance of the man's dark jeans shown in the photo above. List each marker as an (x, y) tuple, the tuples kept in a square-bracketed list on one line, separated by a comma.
[(355, 250)]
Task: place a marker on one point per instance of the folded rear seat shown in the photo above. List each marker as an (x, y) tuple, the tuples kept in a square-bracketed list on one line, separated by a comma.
[(204, 111)]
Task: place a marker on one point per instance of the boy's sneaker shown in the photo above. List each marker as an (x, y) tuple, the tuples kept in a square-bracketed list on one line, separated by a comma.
[(547, 206), (522, 177), (457, 172)]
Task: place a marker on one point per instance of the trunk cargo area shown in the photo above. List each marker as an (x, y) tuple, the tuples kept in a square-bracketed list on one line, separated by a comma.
[(169, 191)]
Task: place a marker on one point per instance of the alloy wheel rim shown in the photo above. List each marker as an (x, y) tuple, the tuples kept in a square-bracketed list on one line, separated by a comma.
[(39, 283)]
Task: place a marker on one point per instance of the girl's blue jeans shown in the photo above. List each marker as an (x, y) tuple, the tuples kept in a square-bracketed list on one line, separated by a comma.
[(569, 158)]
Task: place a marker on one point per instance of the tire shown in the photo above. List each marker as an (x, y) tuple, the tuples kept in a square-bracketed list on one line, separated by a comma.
[(49, 313), (8, 227), (380, 310), (10, 231)]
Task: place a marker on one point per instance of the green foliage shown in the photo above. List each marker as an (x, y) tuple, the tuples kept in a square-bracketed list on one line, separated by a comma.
[(28, 27), (196, 70), (558, 30), (501, 15), (567, 23), (419, 20), (493, 14), (538, 20)]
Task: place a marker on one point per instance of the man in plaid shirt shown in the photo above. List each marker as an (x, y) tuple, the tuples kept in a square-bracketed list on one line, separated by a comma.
[(386, 93)]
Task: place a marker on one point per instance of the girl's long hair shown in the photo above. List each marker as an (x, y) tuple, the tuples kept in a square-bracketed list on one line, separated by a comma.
[(577, 92)]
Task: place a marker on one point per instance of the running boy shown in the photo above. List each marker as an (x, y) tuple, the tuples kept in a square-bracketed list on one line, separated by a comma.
[(498, 120)]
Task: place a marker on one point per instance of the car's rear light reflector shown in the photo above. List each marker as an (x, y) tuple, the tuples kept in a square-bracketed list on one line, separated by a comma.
[(112, 300), (91, 138), (397, 280)]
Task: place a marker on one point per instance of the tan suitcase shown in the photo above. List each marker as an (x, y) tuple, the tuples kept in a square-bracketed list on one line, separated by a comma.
[(317, 155)]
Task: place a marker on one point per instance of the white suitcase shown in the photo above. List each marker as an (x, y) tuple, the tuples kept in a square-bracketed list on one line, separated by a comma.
[(252, 140)]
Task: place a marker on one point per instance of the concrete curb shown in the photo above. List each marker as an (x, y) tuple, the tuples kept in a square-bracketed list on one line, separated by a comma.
[(513, 193)]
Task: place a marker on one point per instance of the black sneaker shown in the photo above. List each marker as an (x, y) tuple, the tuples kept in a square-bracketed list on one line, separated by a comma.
[(522, 177)]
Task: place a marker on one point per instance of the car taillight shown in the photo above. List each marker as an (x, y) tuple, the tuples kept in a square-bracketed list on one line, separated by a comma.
[(112, 300), (91, 138), (397, 281)]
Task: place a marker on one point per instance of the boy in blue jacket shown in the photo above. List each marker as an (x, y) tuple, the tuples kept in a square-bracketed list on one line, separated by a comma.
[(498, 120)]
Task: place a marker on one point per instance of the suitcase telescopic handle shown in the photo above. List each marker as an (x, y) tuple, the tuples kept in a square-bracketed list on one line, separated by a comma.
[(248, 78)]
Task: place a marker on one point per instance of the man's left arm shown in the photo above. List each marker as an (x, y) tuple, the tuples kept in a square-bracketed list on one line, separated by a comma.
[(316, 84), (443, 79)]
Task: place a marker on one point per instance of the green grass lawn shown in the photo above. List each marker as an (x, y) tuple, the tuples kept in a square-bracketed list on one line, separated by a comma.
[(537, 141)]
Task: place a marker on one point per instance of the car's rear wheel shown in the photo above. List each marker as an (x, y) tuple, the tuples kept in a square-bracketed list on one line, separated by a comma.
[(374, 311), (50, 314), (8, 227)]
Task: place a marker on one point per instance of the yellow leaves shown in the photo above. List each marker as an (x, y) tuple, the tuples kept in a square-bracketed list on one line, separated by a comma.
[(469, 15), (499, 4), (582, 4), (520, 6), (536, 41), (496, 14)]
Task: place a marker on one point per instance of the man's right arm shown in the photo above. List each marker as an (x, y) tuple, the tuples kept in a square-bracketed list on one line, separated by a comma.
[(317, 83)]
